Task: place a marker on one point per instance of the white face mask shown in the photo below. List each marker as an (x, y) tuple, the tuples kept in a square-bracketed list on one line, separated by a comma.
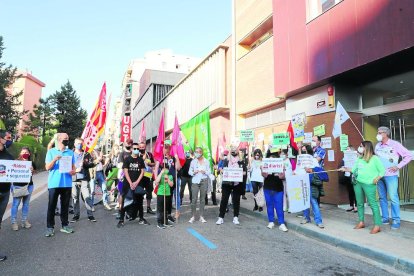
[(197, 155), (283, 156), (379, 137), (360, 150), (313, 144)]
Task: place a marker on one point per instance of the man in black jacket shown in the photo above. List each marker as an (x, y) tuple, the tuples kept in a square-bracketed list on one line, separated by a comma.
[(185, 178)]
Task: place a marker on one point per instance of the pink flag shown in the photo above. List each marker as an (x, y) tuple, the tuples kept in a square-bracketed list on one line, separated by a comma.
[(177, 148), (142, 135), (159, 143)]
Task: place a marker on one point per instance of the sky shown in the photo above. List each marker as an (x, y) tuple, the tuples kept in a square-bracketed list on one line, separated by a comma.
[(89, 42)]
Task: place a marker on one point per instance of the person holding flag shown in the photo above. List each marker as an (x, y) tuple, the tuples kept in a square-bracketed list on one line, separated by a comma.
[(147, 180)]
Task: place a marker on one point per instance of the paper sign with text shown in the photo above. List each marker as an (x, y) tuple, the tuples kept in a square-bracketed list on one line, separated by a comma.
[(281, 139), (233, 174), (298, 192), (350, 157), (246, 135), (272, 165), (304, 161), (15, 171), (319, 130), (326, 142)]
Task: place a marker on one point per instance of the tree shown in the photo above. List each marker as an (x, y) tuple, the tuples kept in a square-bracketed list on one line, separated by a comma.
[(42, 118), (9, 100), (69, 116)]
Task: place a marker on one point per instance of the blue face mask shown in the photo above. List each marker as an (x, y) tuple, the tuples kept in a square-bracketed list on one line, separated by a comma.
[(136, 152), (8, 144), (79, 146)]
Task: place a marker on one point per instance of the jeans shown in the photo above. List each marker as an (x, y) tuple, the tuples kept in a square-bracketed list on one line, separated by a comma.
[(25, 207), (389, 184), (81, 188), (316, 212), (176, 194), (185, 180), (100, 178), (274, 200), (369, 191), (227, 190), (64, 194), (4, 200), (202, 187)]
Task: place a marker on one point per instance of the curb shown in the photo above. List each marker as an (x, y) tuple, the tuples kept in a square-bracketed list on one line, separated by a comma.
[(385, 258)]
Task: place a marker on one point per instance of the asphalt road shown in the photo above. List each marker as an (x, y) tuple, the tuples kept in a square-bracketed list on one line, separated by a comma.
[(101, 248)]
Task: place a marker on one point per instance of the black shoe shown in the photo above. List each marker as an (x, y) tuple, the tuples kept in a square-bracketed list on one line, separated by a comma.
[(160, 225), (71, 212), (256, 208), (92, 219), (215, 203), (150, 211), (170, 219), (74, 219), (120, 224), (244, 197), (118, 216), (127, 216), (3, 257), (143, 221), (57, 213), (260, 209)]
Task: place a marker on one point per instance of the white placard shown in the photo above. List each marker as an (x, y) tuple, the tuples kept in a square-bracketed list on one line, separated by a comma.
[(272, 165), (260, 137), (326, 142), (15, 171), (304, 161), (350, 157), (331, 155), (298, 192), (65, 164), (233, 174), (308, 138)]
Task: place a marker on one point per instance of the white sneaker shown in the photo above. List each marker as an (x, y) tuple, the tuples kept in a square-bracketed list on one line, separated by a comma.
[(283, 228), (107, 207), (202, 220), (236, 220), (271, 225), (220, 221), (192, 219)]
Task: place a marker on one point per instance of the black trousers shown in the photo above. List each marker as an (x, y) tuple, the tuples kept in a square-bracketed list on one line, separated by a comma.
[(226, 191), (161, 216), (135, 208), (213, 193), (65, 195)]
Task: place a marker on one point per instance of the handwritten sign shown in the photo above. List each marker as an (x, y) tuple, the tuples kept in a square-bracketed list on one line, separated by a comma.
[(350, 158), (246, 135), (298, 192), (304, 161), (326, 142), (233, 174), (319, 130), (280, 139), (15, 171), (272, 165), (343, 142)]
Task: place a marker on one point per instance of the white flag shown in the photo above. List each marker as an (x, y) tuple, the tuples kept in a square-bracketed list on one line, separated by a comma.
[(340, 117)]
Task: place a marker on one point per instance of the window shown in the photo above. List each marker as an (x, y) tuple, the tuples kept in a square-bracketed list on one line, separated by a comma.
[(314, 8), (160, 91), (259, 35)]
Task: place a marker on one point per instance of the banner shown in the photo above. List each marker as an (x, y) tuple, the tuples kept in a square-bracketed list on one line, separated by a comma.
[(298, 192), (15, 171), (246, 135), (96, 123), (304, 161), (233, 174), (198, 134), (125, 128), (272, 165)]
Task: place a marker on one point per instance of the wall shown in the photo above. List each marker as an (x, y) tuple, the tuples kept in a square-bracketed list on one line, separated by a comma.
[(351, 34)]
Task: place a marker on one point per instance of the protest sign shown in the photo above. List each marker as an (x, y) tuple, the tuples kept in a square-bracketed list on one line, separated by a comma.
[(304, 161), (246, 135), (280, 139), (319, 130), (298, 192), (308, 138), (326, 142), (343, 142), (298, 124), (272, 165), (350, 158), (233, 174), (15, 171)]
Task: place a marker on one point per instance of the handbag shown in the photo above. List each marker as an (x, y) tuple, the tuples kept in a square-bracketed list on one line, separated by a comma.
[(140, 190), (260, 198), (20, 191), (129, 198)]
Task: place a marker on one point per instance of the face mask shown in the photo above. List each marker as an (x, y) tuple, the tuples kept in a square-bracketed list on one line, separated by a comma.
[(142, 151), (78, 146), (360, 150), (256, 157), (187, 155), (313, 144), (128, 147), (283, 156), (136, 152), (25, 155), (234, 154), (8, 143), (304, 152), (65, 142), (379, 137), (197, 155)]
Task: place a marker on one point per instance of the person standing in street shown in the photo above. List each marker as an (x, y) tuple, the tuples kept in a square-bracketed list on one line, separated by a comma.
[(80, 186), (319, 153), (5, 142), (368, 170), (164, 182), (60, 163), (100, 178), (200, 171), (147, 179), (390, 152), (185, 177), (256, 175)]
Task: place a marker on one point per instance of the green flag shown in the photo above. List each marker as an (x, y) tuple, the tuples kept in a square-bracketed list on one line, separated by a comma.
[(198, 134), (2, 126)]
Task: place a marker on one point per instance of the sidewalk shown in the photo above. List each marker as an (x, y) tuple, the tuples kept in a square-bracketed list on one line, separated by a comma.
[(390, 247)]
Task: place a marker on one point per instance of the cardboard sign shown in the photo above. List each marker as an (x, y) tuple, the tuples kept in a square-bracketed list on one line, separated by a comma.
[(233, 174), (272, 165), (280, 139), (246, 135), (298, 192), (15, 171), (326, 142), (343, 141), (304, 161), (319, 130)]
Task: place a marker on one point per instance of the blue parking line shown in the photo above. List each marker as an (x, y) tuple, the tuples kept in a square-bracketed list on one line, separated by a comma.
[(205, 241)]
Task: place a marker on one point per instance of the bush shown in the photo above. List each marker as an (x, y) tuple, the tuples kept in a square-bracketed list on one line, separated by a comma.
[(38, 151)]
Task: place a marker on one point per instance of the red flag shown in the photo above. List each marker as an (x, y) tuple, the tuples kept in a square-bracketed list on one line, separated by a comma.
[(159, 143), (217, 151), (143, 135), (177, 148), (292, 137), (96, 123)]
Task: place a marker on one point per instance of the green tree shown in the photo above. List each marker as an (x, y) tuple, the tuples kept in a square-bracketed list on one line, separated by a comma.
[(42, 118), (10, 102), (69, 116)]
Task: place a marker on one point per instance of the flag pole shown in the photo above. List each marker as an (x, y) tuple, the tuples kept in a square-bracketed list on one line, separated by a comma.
[(356, 127)]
